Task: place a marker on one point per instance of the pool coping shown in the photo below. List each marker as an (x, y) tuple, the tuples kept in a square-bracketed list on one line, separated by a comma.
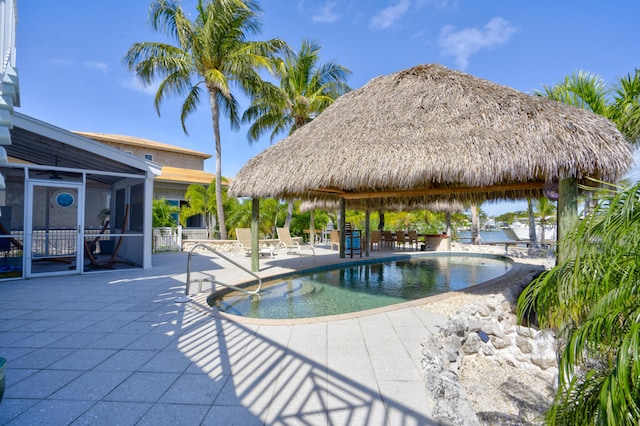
[(200, 300)]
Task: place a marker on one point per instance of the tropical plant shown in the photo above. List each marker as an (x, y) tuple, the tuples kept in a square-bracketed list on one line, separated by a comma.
[(626, 108), (591, 300), (545, 210), (305, 88), (211, 53), (163, 214), (620, 103), (271, 215), (200, 201)]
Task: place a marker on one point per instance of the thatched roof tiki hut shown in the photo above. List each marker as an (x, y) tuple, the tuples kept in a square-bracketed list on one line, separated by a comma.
[(431, 132)]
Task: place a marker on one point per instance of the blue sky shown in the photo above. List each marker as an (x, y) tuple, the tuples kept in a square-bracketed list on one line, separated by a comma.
[(69, 55)]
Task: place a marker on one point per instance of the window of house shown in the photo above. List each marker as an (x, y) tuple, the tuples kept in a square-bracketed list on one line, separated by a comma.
[(176, 215), (148, 157)]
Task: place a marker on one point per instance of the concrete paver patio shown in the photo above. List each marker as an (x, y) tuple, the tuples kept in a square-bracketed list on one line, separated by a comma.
[(115, 348)]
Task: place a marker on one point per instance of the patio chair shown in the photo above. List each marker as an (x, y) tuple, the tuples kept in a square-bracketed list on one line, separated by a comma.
[(334, 237), (286, 242), (376, 238), (388, 239), (244, 239), (413, 238), (401, 238)]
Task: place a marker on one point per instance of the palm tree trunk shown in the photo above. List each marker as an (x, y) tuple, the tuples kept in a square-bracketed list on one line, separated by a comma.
[(287, 222), (533, 239), (475, 225), (215, 115)]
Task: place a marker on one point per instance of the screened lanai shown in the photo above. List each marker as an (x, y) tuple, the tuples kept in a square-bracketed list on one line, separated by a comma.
[(71, 205)]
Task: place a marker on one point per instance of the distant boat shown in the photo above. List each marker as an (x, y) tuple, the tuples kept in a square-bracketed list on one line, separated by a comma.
[(519, 231), (490, 226)]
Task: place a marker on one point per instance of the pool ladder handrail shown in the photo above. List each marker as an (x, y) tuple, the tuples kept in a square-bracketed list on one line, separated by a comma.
[(212, 280)]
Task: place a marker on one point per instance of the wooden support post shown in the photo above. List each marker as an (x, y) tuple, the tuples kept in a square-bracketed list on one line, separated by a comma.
[(312, 228), (567, 213), (255, 234), (342, 236), (367, 232), (448, 216)]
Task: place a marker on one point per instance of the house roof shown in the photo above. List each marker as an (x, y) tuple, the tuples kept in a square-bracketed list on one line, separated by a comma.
[(141, 143), (177, 174), (39, 143)]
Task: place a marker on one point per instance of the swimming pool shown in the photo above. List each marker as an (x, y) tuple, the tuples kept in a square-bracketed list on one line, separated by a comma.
[(367, 285)]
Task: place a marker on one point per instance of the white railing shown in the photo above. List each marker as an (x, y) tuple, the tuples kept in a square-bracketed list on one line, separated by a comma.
[(195, 234), (167, 239)]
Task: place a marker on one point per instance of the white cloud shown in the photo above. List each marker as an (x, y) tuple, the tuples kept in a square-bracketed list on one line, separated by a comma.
[(134, 83), (466, 42), (388, 16), (326, 13), (95, 65)]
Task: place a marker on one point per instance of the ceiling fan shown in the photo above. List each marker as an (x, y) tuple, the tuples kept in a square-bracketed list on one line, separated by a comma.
[(56, 174)]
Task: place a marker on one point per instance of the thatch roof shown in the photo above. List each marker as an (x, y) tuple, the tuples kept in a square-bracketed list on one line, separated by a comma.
[(386, 204), (434, 132)]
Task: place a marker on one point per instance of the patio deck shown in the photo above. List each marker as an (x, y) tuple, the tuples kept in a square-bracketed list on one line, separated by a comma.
[(114, 348)]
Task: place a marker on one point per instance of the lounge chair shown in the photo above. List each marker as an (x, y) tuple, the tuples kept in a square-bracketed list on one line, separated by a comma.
[(244, 239), (286, 242)]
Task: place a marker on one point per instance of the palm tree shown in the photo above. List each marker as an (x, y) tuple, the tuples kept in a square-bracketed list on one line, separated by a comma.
[(591, 298), (305, 89), (627, 106), (593, 303), (163, 214), (202, 201), (210, 53), (544, 209), (271, 213), (620, 104)]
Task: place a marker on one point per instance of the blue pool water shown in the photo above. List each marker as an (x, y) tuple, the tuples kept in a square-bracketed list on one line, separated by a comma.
[(363, 286)]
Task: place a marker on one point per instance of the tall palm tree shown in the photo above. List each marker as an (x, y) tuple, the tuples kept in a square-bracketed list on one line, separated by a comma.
[(305, 88), (591, 298), (210, 54)]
